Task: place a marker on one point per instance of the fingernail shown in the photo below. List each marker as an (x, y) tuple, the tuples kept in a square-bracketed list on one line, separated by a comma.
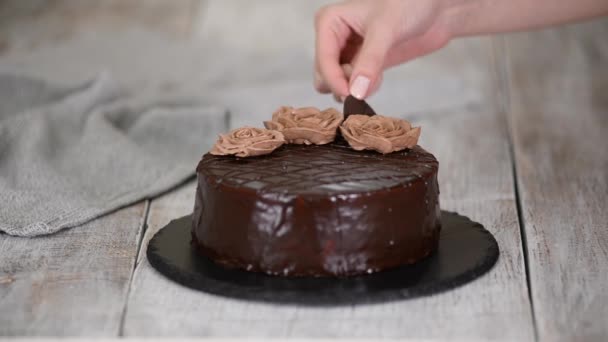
[(359, 87)]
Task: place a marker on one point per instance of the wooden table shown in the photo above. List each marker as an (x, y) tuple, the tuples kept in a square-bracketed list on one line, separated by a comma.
[(519, 124)]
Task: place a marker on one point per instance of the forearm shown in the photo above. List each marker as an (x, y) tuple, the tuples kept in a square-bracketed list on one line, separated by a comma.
[(474, 17)]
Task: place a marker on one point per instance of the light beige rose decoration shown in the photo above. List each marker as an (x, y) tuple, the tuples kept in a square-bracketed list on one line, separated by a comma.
[(379, 133), (307, 125), (248, 142)]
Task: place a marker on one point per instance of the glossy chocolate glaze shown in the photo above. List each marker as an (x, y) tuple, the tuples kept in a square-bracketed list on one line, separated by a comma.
[(317, 210)]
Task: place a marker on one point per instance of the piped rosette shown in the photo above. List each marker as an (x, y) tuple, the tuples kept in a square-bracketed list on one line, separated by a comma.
[(312, 126)]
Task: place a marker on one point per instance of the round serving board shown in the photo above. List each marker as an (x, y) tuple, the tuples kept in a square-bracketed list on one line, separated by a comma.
[(466, 251)]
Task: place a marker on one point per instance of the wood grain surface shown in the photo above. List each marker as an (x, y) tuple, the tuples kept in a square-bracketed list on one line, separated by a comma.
[(71, 283), (559, 119)]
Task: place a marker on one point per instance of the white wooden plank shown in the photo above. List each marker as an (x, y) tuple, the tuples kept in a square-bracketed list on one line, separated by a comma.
[(559, 118), (71, 283), (29, 23), (141, 43), (75, 282)]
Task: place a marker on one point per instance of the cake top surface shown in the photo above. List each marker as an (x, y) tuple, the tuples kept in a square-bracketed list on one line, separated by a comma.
[(320, 170)]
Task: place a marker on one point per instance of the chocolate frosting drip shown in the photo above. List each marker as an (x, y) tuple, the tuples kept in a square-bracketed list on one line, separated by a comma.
[(317, 210)]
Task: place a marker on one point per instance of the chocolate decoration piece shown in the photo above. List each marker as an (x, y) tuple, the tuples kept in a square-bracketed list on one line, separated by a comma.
[(321, 210), (352, 105), (466, 251)]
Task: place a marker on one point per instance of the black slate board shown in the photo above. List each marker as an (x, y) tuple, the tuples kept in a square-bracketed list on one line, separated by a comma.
[(466, 251)]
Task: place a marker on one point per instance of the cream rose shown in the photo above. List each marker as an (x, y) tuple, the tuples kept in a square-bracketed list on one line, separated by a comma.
[(248, 142), (306, 125), (379, 133)]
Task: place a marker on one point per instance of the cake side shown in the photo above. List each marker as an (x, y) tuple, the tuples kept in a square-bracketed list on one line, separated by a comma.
[(317, 211)]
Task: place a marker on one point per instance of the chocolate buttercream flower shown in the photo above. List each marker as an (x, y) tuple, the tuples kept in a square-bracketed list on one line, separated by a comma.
[(379, 133), (248, 142), (307, 125)]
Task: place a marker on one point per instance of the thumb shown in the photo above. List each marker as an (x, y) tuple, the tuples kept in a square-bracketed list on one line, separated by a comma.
[(369, 62)]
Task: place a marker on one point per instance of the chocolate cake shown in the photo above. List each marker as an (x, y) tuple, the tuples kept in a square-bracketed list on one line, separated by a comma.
[(317, 210)]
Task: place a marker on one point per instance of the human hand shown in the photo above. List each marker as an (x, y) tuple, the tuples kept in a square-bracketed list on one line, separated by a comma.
[(357, 40)]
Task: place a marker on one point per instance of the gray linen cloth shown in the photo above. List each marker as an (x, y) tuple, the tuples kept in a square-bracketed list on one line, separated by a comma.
[(71, 154)]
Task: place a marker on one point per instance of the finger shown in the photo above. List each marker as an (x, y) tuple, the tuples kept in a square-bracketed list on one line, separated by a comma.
[(331, 36), (338, 98), (351, 49), (320, 84), (375, 86), (347, 69), (348, 72), (369, 62)]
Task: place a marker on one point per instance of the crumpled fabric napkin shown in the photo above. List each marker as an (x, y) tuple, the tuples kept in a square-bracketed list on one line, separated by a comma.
[(71, 154)]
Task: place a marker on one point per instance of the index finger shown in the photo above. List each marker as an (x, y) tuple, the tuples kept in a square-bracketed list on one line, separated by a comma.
[(331, 36)]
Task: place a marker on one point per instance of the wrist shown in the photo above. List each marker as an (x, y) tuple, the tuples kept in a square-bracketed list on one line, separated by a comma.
[(459, 16)]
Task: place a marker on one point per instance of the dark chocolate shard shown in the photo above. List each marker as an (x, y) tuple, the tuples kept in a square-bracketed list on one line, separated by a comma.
[(352, 105)]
